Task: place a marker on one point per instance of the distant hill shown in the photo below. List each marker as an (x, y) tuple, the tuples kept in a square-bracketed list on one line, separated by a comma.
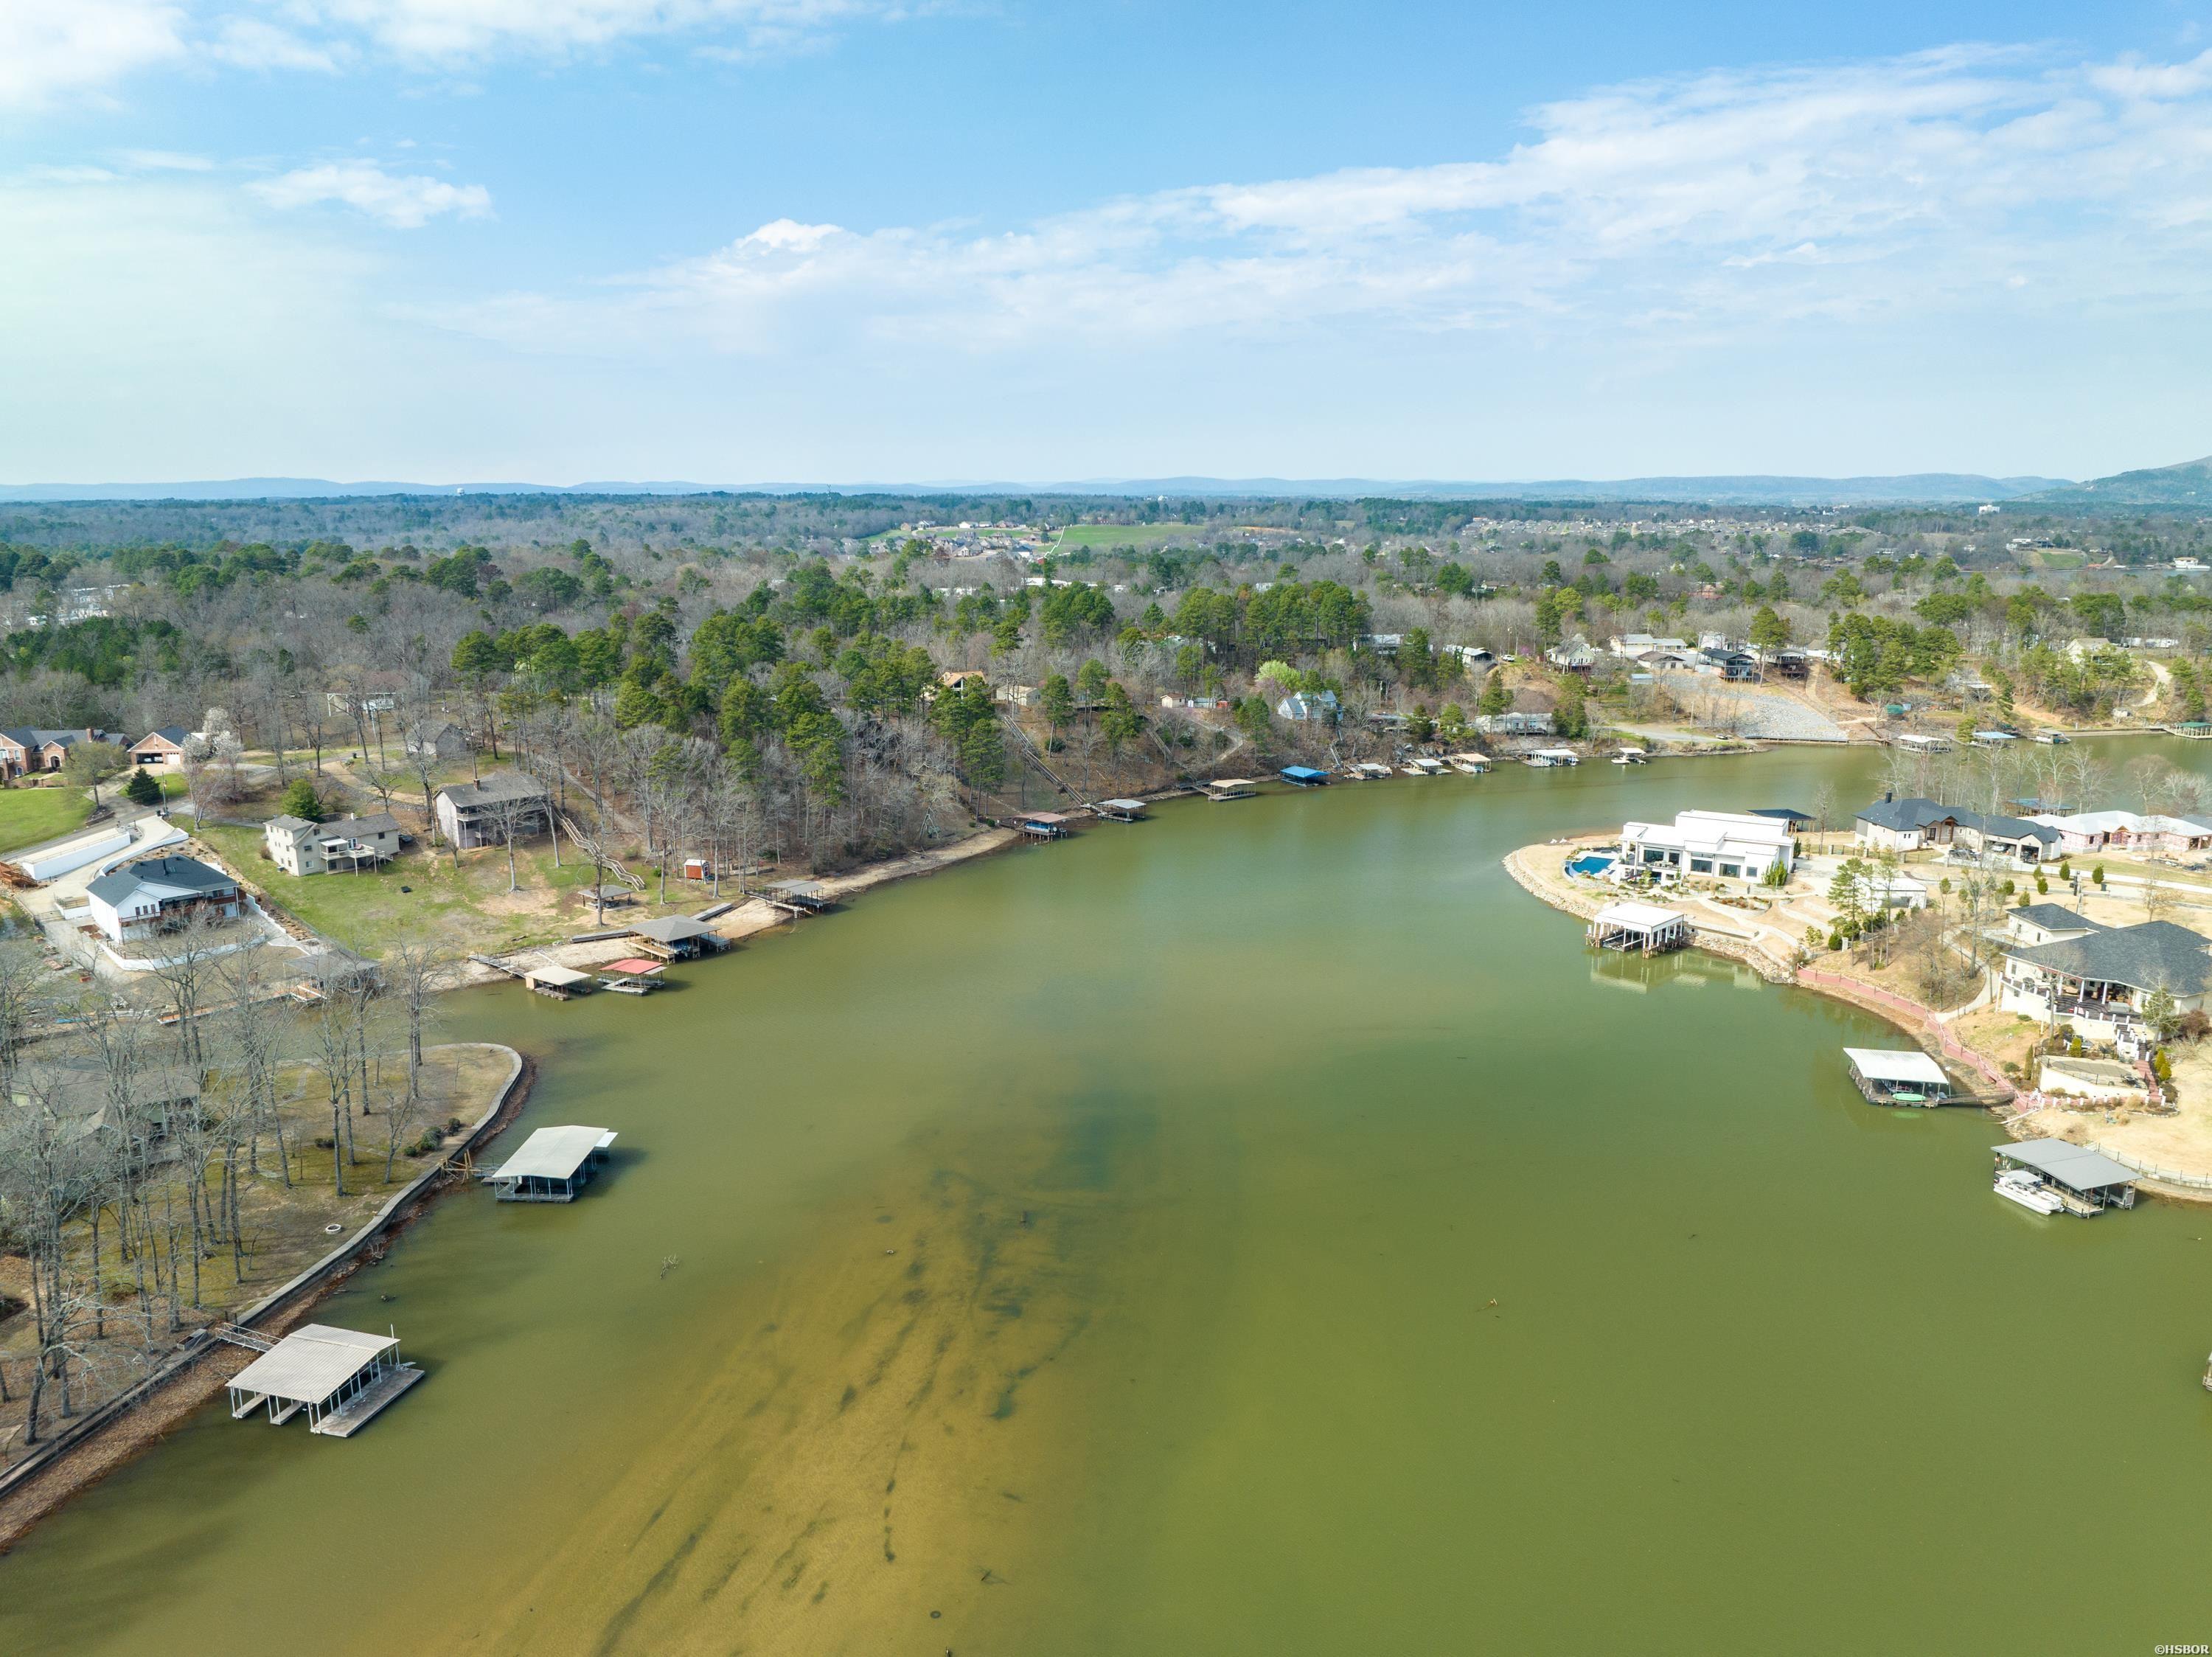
[(2189, 484), (1933, 488)]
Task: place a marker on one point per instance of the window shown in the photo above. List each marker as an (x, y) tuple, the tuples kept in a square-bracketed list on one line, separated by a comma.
[(1701, 865)]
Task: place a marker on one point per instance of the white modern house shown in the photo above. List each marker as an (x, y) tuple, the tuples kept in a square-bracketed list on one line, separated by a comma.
[(1731, 845)]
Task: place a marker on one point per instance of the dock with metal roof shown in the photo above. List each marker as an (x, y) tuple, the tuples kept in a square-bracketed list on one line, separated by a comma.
[(1898, 1076), (342, 1378), (1639, 928), (2087, 1182), (552, 1167)]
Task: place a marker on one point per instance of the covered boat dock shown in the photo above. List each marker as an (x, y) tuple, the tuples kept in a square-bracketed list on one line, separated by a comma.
[(677, 938), (1044, 824), (1228, 787), (1304, 776), (552, 1165), (2086, 1182), (796, 897), (558, 982), (1119, 811), (1905, 1076), (1639, 928), (340, 1377)]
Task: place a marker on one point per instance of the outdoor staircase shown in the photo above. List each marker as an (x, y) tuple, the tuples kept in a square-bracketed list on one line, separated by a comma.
[(1029, 752)]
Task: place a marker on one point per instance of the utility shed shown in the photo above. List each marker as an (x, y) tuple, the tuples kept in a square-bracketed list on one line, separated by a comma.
[(552, 1164), (2086, 1181), (1639, 928), (340, 1377), (677, 937), (1898, 1076)]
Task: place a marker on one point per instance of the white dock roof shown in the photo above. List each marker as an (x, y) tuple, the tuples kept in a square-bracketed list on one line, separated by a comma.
[(1883, 1064), (1641, 917), (555, 1153), (311, 1363), (559, 976)]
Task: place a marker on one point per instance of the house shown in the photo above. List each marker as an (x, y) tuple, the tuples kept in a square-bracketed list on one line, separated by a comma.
[(161, 894), (1733, 845), (1307, 706), (1575, 656), (1383, 644), (1641, 644), (2100, 982), (81, 1094), (2040, 924), (1018, 695), (161, 749), (1914, 824), (958, 679), (347, 703), (1719, 662), (26, 750), (1471, 657), (2128, 830), (440, 739), (300, 847), (1513, 724), (481, 814)]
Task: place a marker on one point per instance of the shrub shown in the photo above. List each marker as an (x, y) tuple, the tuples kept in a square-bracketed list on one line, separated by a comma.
[(2097, 875), (1835, 940)]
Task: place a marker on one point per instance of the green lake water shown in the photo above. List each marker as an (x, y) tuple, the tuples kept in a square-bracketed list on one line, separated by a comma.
[(1261, 1229)]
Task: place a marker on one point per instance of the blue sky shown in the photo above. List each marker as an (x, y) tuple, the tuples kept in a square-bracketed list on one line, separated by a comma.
[(840, 241)]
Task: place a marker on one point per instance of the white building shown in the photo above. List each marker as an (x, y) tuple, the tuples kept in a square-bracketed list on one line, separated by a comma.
[(300, 847), (1732, 845)]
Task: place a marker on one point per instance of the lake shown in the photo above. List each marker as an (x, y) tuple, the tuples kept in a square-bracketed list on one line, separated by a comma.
[(1261, 1229)]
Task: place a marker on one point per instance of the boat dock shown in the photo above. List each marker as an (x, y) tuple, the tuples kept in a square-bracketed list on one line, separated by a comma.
[(553, 1165), (2083, 1182), (1118, 811), (1898, 1076), (1228, 787), (1636, 929), (343, 1379)]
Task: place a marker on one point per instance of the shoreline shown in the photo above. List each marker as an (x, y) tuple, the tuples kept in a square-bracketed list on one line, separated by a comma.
[(1919, 1023), (116, 1432)]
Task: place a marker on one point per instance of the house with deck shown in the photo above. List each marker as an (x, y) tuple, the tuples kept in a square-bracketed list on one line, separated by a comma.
[(161, 894), (2100, 981), (479, 813), (300, 847)]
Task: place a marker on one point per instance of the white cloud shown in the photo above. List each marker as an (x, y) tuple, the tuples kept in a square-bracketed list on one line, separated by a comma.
[(1850, 193), (166, 161), (440, 30), (255, 43), (405, 204), (54, 49)]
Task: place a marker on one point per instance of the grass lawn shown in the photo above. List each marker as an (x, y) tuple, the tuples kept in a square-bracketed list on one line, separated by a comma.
[(466, 908), (1143, 536), (30, 815)]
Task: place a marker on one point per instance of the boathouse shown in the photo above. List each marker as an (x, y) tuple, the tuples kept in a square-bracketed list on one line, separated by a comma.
[(1119, 811), (796, 897), (677, 938), (1043, 825), (340, 1377), (1890, 1076), (1304, 776), (1639, 928), (633, 975), (1228, 787), (2087, 1182), (557, 982), (552, 1165)]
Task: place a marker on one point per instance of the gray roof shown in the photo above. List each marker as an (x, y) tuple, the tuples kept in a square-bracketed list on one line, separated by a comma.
[(362, 828), (673, 928), (2057, 917), (1905, 816), (287, 823), (555, 1153), (169, 877), (499, 785), (78, 1088), (311, 1363), (2074, 1167), (2152, 955), (175, 733)]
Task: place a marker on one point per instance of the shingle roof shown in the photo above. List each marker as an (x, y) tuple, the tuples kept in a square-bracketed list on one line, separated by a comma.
[(171, 877), (2057, 917), (1905, 816), (2153, 955), (362, 828), (499, 785)]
